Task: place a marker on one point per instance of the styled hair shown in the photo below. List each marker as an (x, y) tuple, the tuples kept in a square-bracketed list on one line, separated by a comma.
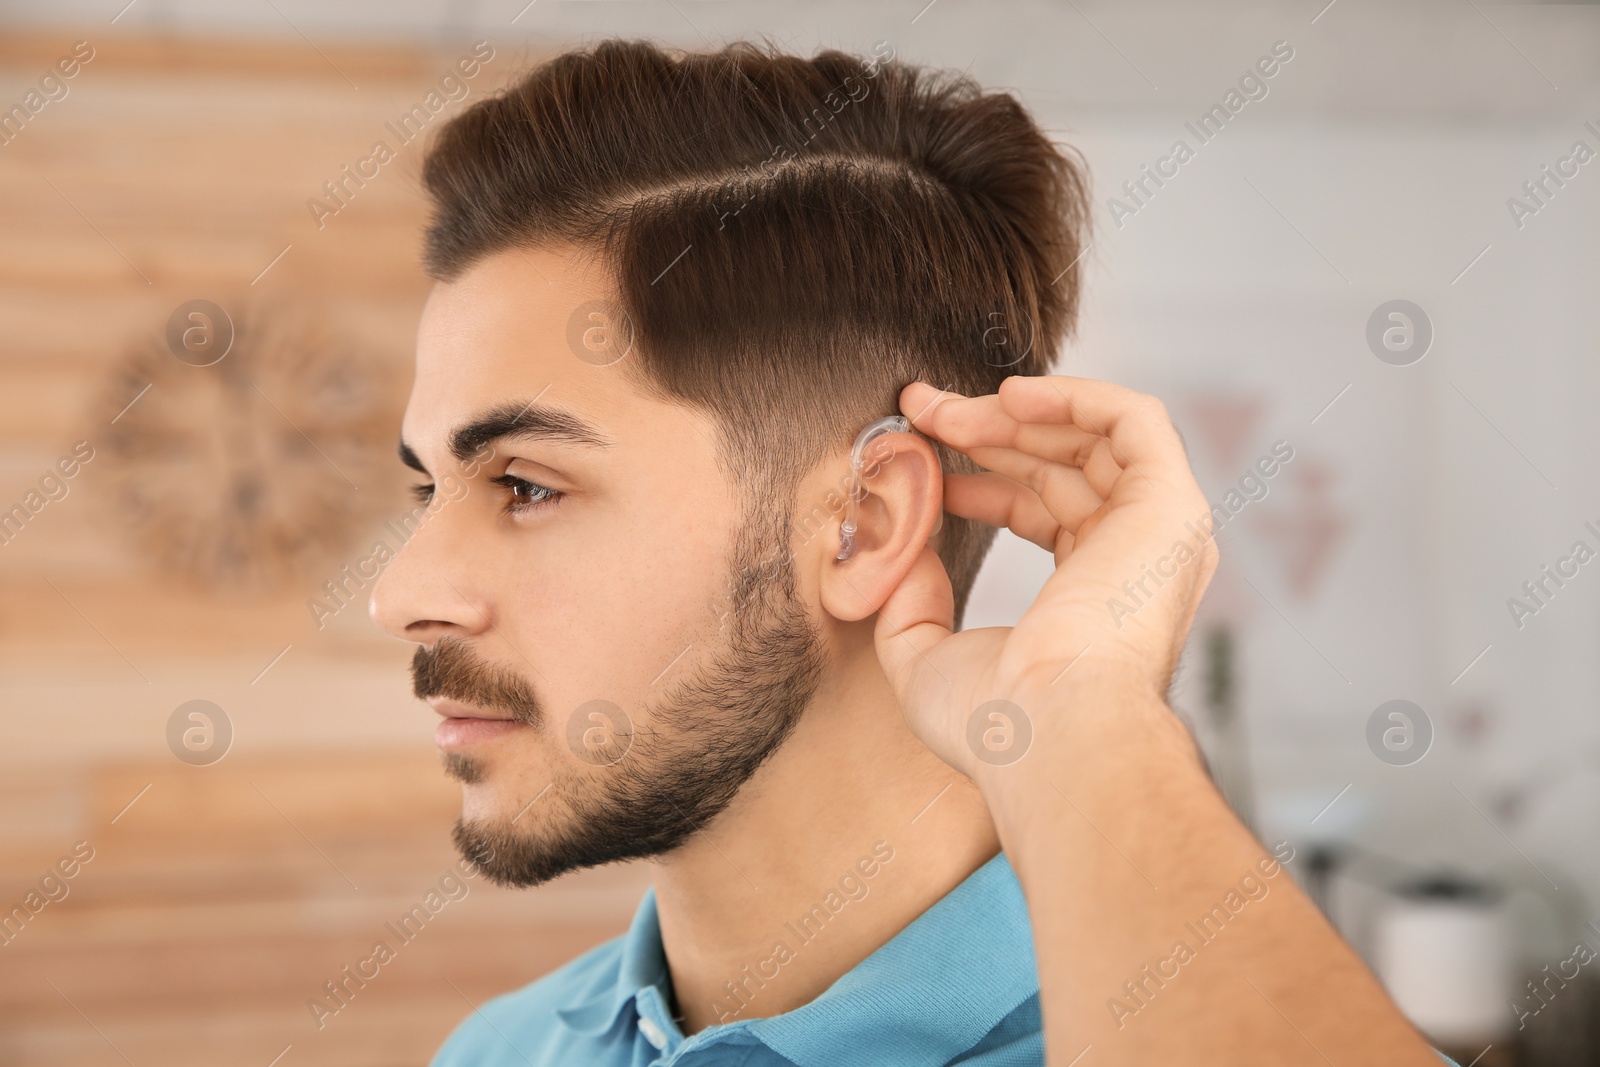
[(792, 240)]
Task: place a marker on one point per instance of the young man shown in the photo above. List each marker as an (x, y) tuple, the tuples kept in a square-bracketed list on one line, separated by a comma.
[(671, 292)]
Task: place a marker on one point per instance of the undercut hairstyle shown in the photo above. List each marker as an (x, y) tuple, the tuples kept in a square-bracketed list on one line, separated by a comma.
[(792, 241)]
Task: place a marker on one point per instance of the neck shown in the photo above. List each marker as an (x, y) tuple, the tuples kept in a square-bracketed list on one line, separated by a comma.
[(848, 833)]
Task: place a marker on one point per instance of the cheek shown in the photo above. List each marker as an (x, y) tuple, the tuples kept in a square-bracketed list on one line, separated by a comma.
[(608, 612)]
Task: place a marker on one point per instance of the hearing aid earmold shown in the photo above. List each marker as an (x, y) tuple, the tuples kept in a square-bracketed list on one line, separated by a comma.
[(847, 530)]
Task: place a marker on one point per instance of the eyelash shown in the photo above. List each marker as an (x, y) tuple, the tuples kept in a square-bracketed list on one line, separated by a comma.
[(513, 484)]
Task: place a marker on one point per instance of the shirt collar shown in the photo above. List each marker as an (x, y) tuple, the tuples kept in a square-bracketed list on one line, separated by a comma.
[(927, 995), (641, 963)]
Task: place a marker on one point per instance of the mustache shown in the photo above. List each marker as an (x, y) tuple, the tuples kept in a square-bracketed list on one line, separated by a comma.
[(450, 669)]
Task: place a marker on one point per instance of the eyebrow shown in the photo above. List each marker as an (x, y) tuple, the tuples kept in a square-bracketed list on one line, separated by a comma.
[(524, 422)]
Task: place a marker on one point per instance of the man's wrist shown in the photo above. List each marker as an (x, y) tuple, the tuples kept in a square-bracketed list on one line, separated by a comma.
[(1092, 734)]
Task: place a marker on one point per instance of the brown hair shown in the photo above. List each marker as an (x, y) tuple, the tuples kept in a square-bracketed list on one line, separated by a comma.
[(793, 240)]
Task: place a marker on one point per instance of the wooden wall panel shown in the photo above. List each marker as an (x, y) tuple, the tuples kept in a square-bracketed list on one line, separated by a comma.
[(219, 902)]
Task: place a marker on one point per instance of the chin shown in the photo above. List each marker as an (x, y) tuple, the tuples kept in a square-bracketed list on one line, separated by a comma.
[(488, 797), (482, 805), (516, 858)]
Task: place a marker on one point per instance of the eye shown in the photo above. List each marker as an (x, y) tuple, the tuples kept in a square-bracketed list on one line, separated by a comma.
[(525, 494), (423, 494)]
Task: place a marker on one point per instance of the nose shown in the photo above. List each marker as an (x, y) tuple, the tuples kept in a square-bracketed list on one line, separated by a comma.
[(429, 589)]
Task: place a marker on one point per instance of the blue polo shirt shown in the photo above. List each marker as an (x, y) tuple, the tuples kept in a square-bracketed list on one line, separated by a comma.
[(958, 984)]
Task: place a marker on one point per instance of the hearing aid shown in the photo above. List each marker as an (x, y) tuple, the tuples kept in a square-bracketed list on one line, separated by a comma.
[(858, 489)]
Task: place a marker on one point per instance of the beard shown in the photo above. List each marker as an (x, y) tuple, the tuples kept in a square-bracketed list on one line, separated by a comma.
[(682, 765)]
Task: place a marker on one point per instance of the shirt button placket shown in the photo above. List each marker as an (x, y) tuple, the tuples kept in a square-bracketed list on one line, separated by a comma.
[(652, 1033)]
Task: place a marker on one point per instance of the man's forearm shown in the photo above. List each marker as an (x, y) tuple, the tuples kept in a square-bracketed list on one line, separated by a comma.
[(1165, 933)]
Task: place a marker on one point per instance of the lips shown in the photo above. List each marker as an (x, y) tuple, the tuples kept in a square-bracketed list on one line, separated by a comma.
[(465, 725), (464, 733)]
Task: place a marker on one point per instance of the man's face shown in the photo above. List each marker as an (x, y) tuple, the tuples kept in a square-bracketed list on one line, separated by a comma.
[(614, 640)]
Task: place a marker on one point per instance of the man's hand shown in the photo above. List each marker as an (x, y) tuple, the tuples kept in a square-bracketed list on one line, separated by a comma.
[(1164, 932), (1094, 473)]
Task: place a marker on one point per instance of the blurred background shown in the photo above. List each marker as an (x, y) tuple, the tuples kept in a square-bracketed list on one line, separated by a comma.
[(1365, 289)]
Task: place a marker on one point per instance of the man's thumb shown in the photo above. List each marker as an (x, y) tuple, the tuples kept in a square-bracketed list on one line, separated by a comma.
[(917, 616)]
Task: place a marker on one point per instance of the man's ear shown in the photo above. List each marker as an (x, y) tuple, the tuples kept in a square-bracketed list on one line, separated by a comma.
[(902, 508)]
